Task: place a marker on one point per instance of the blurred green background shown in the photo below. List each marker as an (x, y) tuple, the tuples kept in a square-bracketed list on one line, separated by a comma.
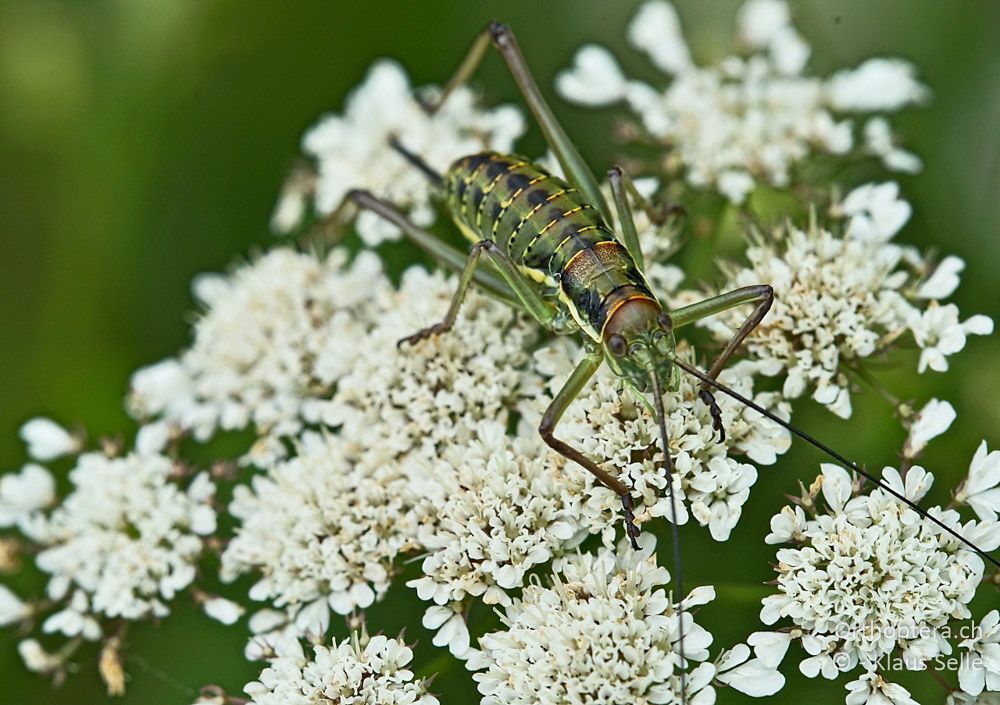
[(143, 141)]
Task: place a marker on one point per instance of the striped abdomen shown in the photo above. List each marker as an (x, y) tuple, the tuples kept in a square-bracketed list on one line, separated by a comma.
[(545, 227)]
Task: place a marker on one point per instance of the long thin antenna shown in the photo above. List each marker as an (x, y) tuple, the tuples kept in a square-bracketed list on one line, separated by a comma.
[(415, 160), (678, 579), (832, 453)]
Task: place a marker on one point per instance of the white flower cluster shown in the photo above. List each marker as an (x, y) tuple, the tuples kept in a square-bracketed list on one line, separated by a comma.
[(840, 299), (353, 150), (605, 630), (322, 529), (367, 671), (750, 118), (869, 576), (501, 506), (267, 351), (121, 545), (125, 540), (439, 411)]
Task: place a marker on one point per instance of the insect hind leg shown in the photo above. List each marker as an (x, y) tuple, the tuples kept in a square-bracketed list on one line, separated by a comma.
[(502, 38)]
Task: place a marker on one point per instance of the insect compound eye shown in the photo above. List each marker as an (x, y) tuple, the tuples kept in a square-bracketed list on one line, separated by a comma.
[(664, 320), (617, 345)]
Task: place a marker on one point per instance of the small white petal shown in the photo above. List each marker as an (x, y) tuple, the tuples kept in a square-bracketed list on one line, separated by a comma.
[(877, 84), (944, 280), (31, 489), (594, 78), (656, 29), (761, 20), (933, 420), (47, 440), (770, 647), (753, 678), (12, 609), (223, 610)]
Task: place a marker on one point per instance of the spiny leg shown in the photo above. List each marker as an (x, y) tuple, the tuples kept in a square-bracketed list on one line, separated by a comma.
[(451, 257), (763, 295), (557, 407), (569, 157), (532, 301)]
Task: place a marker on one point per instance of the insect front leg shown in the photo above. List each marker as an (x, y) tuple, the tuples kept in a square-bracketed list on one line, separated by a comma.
[(557, 407), (501, 37), (762, 295)]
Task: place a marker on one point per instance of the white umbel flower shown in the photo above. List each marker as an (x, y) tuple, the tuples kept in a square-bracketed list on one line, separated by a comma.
[(127, 537), (500, 508), (939, 334), (868, 575), (613, 426), (266, 350), (47, 440), (605, 630), (416, 400), (354, 672), (835, 299), (748, 118), (352, 150), (322, 530)]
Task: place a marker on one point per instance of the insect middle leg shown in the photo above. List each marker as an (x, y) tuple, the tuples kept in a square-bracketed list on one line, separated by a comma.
[(542, 311), (452, 257), (511, 286), (501, 37), (762, 295)]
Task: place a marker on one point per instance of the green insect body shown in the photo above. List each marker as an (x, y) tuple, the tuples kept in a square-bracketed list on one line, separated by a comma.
[(562, 243)]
